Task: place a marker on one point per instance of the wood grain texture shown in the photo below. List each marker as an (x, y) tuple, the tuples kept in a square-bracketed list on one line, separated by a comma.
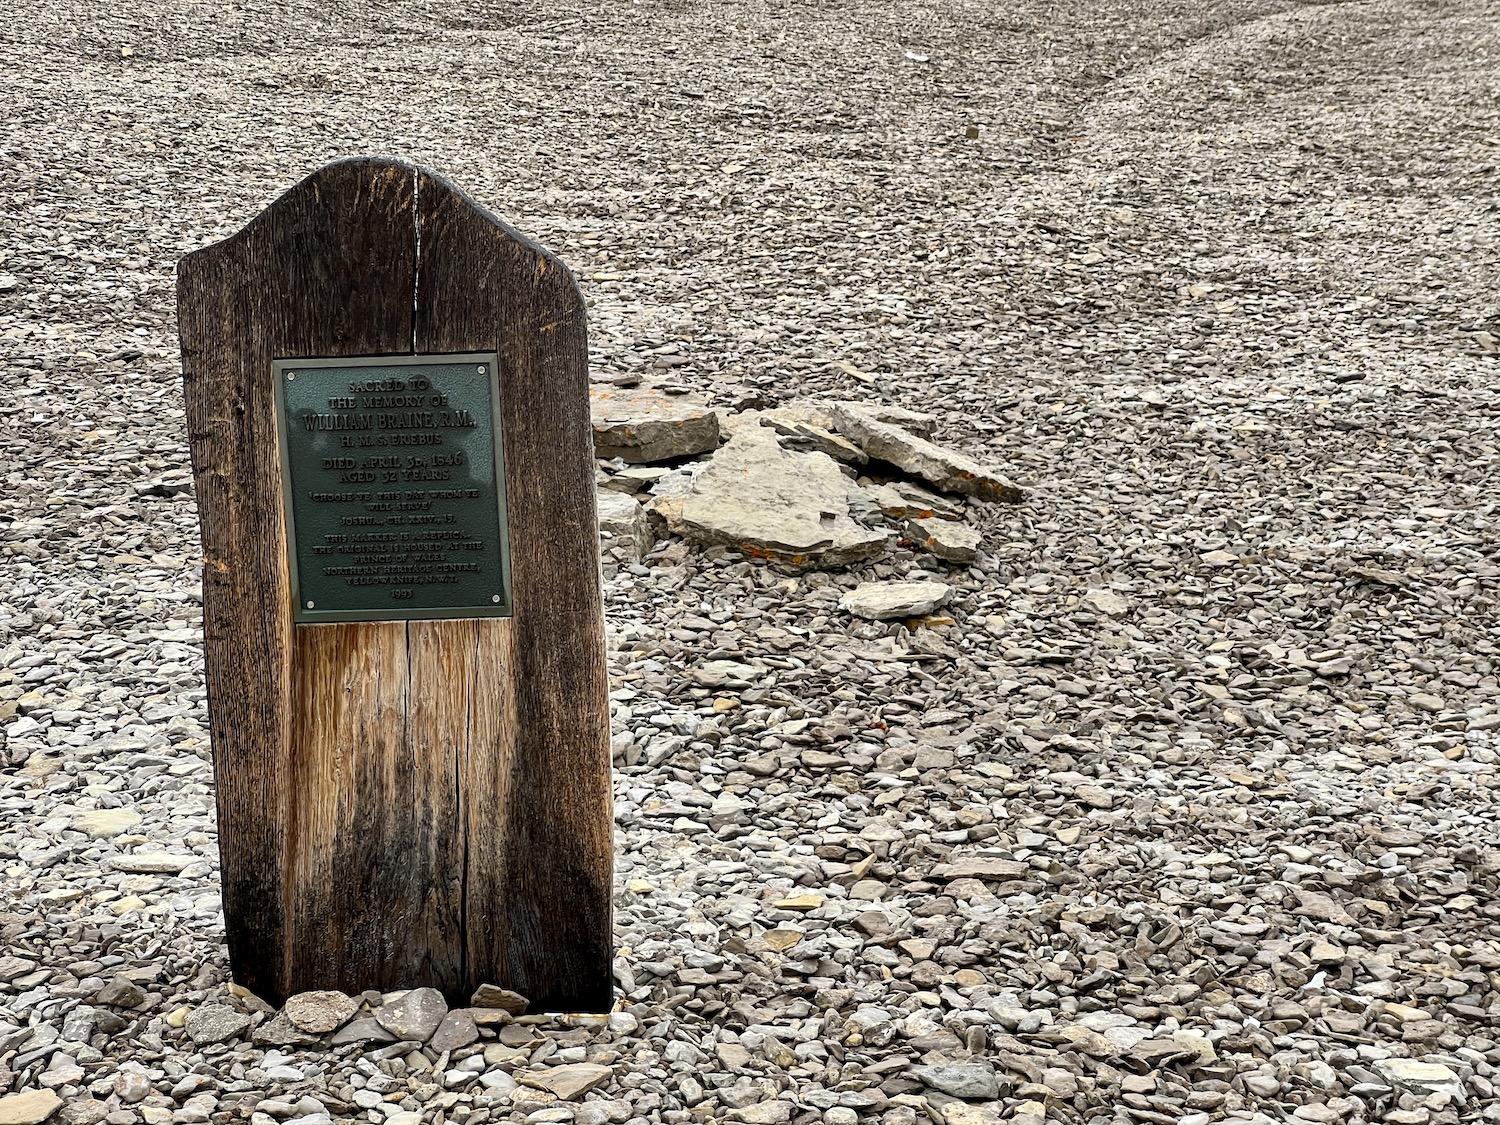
[(402, 803), (542, 746)]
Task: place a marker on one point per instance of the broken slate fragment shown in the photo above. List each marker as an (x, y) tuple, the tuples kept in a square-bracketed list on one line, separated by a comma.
[(101, 824), (971, 1081), (623, 523), (804, 428), (641, 425), (790, 508), (885, 601), (948, 540), (982, 867), (568, 1082), (457, 1030), (366, 1029), (493, 996), (281, 1032), (918, 422), (942, 468), (120, 992)]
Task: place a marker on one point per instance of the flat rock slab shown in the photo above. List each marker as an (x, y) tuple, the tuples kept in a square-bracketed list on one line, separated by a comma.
[(568, 1082), (30, 1108), (458, 1029), (215, 1023), (101, 824), (918, 422), (942, 468), (886, 601), (773, 504), (152, 863), (949, 540), (493, 996), (642, 425), (803, 428)]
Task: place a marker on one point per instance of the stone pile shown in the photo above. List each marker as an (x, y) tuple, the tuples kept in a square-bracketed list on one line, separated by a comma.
[(809, 485)]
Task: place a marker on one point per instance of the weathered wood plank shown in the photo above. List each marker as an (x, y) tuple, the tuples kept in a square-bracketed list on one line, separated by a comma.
[(540, 928), (404, 802)]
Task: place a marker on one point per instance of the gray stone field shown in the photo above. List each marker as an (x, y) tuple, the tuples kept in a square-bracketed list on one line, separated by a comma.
[(1070, 694)]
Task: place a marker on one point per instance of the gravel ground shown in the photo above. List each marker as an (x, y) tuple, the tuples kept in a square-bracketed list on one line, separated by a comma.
[(1188, 815)]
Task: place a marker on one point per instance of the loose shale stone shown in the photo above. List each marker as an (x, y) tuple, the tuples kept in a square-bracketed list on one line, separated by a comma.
[(947, 539), (569, 1082), (101, 824), (939, 467), (415, 1016), (885, 601), (320, 1011), (624, 523), (642, 425), (493, 996), (215, 1023)]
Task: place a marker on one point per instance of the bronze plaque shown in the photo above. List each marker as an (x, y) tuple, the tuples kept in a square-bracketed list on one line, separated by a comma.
[(393, 478)]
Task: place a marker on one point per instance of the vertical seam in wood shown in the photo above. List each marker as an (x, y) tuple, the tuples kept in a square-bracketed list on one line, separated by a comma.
[(460, 770), (416, 260), (406, 748)]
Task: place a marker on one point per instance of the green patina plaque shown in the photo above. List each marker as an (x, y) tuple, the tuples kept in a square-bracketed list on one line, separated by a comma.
[(393, 476)]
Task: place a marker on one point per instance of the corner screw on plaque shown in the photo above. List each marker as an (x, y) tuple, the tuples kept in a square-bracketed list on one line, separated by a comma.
[(495, 598), (290, 375), (312, 605), (481, 369)]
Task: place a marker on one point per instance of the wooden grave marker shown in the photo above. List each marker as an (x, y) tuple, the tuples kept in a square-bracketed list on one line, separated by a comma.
[(387, 403)]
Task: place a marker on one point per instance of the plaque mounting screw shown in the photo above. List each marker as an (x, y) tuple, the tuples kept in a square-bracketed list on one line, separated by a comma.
[(311, 605), (495, 598), (481, 369), (290, 375)]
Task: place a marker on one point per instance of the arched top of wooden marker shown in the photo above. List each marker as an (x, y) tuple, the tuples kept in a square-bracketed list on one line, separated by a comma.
[(394, 187), (402, 803)]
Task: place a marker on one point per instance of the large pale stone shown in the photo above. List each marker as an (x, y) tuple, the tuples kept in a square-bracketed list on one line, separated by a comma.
[(101, 824), (885, 601), (320, 1011), (642, 425), (942, 468), (457, 1030), (152, 863), (791, 508), (1423, 1076), (974, 1081), (30, 1108), (918, 422), (415, 1016)]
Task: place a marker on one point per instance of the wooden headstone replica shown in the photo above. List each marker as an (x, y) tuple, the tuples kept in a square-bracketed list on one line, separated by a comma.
[(387, 402)]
